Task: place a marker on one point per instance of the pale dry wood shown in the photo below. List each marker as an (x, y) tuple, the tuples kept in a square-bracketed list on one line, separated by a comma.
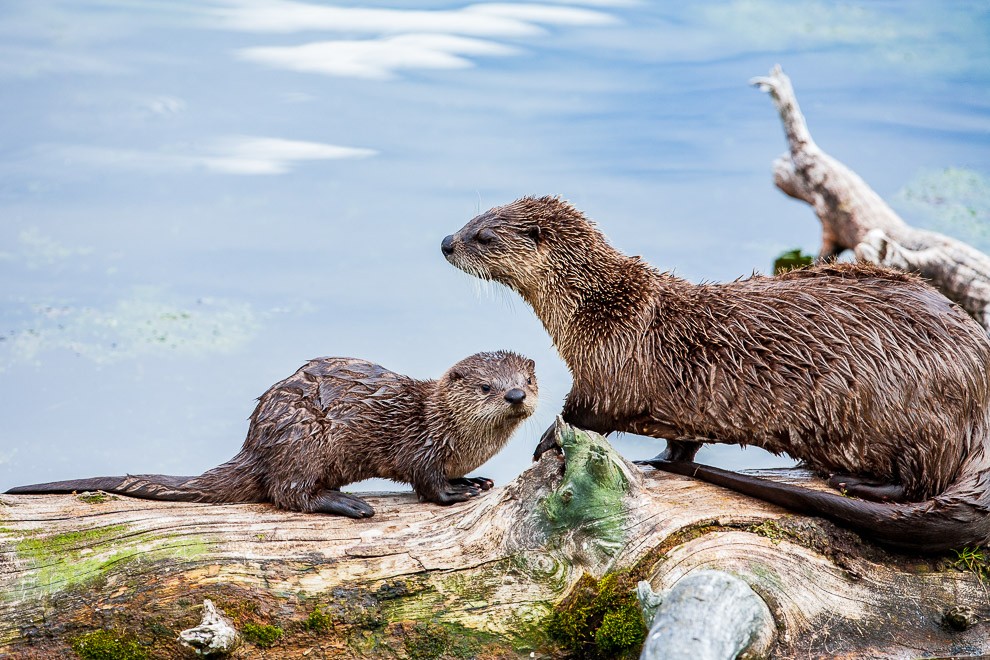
[(215, 635), (854, 217), (496, 564), (709, 615)]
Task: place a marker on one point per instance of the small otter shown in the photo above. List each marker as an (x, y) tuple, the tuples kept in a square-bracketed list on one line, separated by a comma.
[(340, 420), (863, 373)]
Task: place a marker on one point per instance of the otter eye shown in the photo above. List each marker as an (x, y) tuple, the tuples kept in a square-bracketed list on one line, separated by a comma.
[(529, 381), (485, 236), (486, 388)]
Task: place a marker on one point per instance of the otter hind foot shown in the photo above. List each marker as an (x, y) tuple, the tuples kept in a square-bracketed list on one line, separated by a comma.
[(866, 488), (482, 483), (677, 450), (341, 504)]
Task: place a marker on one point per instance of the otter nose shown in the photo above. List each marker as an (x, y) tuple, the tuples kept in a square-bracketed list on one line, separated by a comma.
[(447, 246), (515, 395)]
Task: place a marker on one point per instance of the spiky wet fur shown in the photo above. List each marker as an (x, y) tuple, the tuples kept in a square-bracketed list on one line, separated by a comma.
[(340, 420), (851, 368)]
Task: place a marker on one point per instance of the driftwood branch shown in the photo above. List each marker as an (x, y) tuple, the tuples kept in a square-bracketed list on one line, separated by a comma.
[(418, 580), (854, 217)]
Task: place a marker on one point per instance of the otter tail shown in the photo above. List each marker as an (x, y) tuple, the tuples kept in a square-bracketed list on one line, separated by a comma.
[(145, 486), (945, 522), (230, 482)]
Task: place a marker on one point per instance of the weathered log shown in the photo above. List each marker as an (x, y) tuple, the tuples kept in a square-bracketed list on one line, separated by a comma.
[(502, 575), (854, 217)]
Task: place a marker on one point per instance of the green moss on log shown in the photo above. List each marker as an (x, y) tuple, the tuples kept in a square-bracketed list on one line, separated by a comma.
[(599, 618), (432, 640), (108, 645), (74, 559), (262, 635)]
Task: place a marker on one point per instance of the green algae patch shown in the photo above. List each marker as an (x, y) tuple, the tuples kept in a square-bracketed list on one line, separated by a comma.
[(432, 640), (64, 560), (410, 617), (590, 500), (772, 530), (79, 558), (599, 619), (954, 201), (108, 645)]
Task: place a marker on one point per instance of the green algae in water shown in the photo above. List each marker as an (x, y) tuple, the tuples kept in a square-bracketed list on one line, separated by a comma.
[(954, 201), (107, 645)]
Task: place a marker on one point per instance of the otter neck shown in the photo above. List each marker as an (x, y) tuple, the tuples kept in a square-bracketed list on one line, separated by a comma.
[(560, 291), (591, 298), (442, 419), (463, 441)]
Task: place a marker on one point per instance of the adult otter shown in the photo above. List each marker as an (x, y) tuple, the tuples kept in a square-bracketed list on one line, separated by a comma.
[(340, 420), (863, 373)]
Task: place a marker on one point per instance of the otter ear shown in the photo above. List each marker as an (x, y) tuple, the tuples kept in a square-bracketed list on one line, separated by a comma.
[(531, 365), (455, 375), (535, 233)]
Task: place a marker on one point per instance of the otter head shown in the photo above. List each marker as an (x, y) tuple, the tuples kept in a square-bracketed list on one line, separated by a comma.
[(520, 243), (484, 398), (491, 389)]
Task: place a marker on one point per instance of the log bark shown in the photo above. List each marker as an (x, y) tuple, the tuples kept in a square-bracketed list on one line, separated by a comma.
[(475, 579), (854, 217)]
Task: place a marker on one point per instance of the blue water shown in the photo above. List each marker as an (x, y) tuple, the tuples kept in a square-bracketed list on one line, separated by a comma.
[(196, 197)]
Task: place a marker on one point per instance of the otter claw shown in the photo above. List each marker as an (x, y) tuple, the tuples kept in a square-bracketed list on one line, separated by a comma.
[(548, 441), (470, 489), (449, 497), (482, 483)]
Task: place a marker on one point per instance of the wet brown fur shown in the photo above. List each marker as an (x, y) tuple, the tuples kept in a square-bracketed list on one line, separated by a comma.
[(340, 420), (851, 368)]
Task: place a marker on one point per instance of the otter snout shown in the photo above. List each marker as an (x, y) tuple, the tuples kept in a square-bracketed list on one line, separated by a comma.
[(515, 395), (447, 246)]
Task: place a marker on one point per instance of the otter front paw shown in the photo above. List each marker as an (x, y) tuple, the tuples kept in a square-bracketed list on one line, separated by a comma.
[(547, 442), (482, 483)]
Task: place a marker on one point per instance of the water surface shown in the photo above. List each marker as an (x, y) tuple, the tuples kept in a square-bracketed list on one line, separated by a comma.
[(197, 197)]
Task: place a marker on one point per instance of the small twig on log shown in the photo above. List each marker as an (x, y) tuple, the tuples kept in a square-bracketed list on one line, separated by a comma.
[(854, 217)]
